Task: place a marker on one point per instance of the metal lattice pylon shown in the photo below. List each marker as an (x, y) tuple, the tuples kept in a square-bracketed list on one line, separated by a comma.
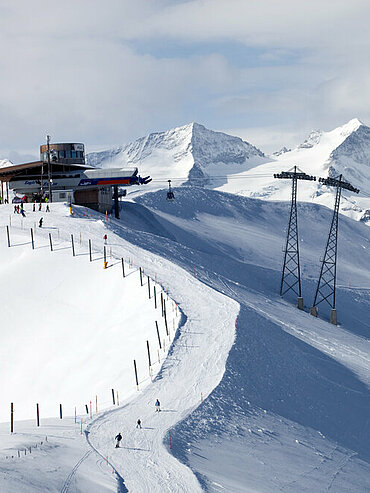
[(325, 290), (291, 275)]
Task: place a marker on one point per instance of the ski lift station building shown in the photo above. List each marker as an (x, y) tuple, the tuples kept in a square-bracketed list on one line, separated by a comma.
[(63, 167)]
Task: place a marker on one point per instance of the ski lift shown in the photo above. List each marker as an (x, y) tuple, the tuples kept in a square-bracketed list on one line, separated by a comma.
[(170, 194)]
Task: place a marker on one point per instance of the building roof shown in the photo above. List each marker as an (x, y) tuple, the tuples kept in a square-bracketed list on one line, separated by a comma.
[(8, 172)]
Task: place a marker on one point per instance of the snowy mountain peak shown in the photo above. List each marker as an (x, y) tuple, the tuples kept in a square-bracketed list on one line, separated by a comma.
[(188, 154), (350, 127), (5, 162), (281, 151), (313, 139)]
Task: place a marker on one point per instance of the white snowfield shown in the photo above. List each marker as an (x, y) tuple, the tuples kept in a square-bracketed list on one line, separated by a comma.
[(285, 396), (86, 340)]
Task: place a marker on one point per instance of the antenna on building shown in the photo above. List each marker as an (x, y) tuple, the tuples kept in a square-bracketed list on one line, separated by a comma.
[(325, 290), (291, 276), (49, 168)]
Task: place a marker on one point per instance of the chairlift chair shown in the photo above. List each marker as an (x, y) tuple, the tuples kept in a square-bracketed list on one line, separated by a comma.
[(170, 194)]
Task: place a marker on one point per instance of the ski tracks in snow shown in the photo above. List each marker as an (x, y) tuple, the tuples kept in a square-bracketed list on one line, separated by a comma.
[(68, 481), (193, 368)]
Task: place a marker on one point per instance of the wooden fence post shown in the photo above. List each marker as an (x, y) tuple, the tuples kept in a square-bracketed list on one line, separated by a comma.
[(51, 243), (150, 363), (159, 339), (113, 398), (73, 246), (123, 268), (165, 316), (90, 251), (37, 415), (137, 381), (60, 411), (7, 232), (32, 242), (11, 417), (148, 286)]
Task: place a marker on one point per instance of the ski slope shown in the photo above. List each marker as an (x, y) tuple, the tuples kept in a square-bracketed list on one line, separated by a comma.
[(285, 396)]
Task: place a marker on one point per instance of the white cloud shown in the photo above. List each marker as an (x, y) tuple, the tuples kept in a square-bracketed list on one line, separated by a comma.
[(71, 69)]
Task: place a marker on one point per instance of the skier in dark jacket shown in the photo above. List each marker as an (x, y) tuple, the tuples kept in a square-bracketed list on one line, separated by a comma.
[(40, 223), (118, 438), (138, 423), (157, 406)]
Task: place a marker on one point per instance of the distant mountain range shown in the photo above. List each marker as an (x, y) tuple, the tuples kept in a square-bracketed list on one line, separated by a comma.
[(194, 155), (190, 154)]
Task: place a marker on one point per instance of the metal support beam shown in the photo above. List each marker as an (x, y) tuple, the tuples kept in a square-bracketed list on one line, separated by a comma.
[(116, 203)]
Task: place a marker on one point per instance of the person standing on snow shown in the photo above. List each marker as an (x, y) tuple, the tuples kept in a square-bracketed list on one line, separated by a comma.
[(138, 423), (157, 406), (118, 438), (105, 237), (40, 223)]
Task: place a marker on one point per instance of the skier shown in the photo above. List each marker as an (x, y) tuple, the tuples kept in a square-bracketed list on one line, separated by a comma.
[(40, 223), (138, 423), (118, 438), (34, 207), (40, 206), (157, 406), (47, 208), (22, 212), (15, 209)]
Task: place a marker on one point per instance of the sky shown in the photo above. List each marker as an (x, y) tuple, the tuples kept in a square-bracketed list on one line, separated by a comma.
[(106, 73)]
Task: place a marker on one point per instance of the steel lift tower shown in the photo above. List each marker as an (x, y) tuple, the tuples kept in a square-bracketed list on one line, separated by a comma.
[(325, 290), (291, 276)]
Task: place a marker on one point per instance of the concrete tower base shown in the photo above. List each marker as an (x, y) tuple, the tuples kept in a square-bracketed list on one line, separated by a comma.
[(313, 311), (300, 304), (333, 316)]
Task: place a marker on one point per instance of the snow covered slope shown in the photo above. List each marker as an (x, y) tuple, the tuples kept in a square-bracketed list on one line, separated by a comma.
[(68, 322), (291, 411), (189, 154), (277, 401)]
